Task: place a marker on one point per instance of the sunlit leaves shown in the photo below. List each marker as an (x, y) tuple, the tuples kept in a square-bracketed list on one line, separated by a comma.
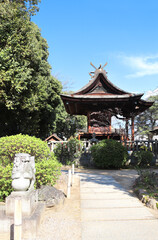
[(28, 92)]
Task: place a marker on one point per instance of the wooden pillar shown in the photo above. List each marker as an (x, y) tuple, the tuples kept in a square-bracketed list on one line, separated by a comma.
[(126, 129), (88, 122), (132, 128), (110, 123), (122, 140)]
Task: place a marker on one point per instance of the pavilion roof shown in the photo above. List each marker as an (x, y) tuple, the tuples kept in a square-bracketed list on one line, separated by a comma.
[(102, 95), (101, 81)]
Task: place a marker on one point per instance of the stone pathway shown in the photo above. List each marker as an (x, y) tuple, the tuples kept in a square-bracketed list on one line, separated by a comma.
[(109, 212)]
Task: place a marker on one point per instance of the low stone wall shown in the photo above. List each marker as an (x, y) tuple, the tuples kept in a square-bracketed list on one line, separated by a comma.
[(61, 183), (144, 197)]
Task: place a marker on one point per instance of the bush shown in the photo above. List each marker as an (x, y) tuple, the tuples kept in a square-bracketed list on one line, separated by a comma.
[(67, 152), (47, 171), (46, 164), (11, 145), (143, 158), (5, 181), (109, 154)]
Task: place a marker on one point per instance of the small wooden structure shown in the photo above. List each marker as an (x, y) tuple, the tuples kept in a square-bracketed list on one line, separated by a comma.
[(52, 141), (99, 100), (53, 138)]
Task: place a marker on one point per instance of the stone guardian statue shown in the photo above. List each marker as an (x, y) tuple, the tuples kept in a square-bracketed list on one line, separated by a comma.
[(23, 173)]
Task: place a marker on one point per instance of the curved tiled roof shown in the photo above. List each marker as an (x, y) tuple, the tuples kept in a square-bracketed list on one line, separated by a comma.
[(106, 81), (100, 94)]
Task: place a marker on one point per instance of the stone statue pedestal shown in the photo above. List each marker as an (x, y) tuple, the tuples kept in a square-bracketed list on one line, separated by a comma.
[(32, 215), (27, 218), (29, 200)]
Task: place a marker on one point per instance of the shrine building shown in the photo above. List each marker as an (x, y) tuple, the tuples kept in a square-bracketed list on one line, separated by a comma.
[(100, 100)]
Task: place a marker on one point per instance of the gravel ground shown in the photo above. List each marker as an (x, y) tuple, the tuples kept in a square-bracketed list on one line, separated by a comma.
[(63, 222)]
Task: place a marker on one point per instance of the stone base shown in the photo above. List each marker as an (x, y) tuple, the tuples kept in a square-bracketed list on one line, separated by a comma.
[(29, 201), (30, 224)]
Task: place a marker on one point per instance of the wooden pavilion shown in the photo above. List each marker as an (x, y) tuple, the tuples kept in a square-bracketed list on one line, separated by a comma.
[(100, 100)]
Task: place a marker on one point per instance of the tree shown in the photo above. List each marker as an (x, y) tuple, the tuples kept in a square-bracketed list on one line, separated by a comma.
[(28, 92), (67, 125), (147, 120), (31, 6)]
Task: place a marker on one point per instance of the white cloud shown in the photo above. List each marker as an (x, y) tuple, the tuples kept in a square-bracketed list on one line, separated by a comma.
[(143, 66)]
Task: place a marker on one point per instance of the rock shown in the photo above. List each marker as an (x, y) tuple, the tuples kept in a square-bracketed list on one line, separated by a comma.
[(151, 203), (50, 195), (141, 193)]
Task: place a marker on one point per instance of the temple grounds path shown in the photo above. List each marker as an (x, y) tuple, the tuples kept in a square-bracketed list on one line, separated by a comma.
[(110, 212), (102, 206)]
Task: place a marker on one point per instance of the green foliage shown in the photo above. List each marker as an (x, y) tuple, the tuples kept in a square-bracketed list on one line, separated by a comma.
[(109, 154), (143, 158), (29, 94), (67, 125), (147, 180), (46, 164), (67, 152), (147, 120), (47, 171), (11, 145), (5, 181), (31, 6)]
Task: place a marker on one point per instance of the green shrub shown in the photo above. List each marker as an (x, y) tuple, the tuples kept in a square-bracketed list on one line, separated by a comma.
[(11, 145), (109, 154), (5, 181), (47, 171), (67, 152), (143, 157), (46, 164)]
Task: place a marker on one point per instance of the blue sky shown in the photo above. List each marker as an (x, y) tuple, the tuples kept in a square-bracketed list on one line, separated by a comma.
[(123, 33)]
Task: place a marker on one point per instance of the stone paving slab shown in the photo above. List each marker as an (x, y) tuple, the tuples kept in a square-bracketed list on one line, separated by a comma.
[(120, 230), (116, 214), (98, 179), (124, 203), (101, 190), (109, 212), (95, 176), (97, 182), (104, 196)]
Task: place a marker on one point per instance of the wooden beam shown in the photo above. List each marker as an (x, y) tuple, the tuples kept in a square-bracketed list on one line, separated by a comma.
[(126, 129), (132, 128), (88, 122)]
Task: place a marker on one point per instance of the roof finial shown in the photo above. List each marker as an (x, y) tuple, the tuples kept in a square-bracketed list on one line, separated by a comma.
[(93, 65), (104, 65), (100, 68)]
